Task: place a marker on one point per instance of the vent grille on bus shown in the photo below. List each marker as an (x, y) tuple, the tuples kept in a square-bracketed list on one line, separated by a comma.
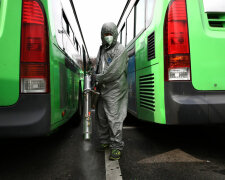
[(217, 20), (147, 92), (151, 46)]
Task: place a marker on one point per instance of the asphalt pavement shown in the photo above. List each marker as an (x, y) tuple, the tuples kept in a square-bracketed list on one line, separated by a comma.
[(151, 152), (63, 155), (162, 152)]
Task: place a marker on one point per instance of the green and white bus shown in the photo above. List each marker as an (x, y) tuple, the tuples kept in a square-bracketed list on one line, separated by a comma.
[(176, 69), (41, 50)]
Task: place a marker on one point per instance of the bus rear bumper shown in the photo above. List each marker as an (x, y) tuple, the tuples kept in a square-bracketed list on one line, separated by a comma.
[(186, 105), (29, 117)]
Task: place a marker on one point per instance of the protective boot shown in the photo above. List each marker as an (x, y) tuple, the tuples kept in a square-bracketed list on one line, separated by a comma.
[(102, 147), (115, 154)]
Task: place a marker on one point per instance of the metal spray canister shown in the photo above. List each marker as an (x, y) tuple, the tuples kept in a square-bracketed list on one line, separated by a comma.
[(87, 121)]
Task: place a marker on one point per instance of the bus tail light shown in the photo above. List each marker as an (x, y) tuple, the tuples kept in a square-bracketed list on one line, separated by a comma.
[(176, 42), (34, 61)]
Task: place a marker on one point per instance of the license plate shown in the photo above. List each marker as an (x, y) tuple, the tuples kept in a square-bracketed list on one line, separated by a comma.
[(214, 6)]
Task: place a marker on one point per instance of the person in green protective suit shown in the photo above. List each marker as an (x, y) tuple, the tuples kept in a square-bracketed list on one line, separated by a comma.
[(111, 77)]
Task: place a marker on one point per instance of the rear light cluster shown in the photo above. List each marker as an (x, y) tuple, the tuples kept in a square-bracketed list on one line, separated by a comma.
[(34, 67), (176, 42)]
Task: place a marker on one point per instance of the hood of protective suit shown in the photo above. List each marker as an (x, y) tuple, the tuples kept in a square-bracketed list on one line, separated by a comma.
[(112, 29)]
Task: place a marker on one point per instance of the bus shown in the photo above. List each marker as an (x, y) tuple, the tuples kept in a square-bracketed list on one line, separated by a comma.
[(176, 67), (41, 76)]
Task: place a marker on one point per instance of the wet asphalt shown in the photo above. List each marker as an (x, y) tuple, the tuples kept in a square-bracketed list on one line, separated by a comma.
[(151, 152), (62, 155), (173, 152)]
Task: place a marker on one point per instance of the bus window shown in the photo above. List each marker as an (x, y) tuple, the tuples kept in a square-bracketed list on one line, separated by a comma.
[(123, 35), (71, 34), (65, 23), (57, 14), (77, 44), (119, 37), (140, 16), (79, 50), (149, 11), (130, 26), (74, 41)]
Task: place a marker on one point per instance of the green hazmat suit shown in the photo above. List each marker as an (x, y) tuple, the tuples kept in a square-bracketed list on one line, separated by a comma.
[(111, 75)]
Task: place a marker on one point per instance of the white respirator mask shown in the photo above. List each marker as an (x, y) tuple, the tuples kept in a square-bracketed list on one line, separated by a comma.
[(109, 39)]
